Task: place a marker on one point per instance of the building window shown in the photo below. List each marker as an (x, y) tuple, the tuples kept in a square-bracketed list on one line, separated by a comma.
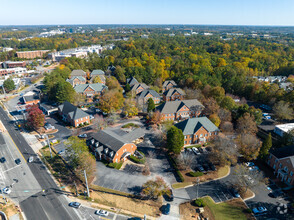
[(185, 142), (77, 120), (276, 160), (185, 137), (286, 169), (196, 136), (205, 135), (280, 165), (289, 179), (87, 117), (190, 141), (215, 133), (291, 173), (201, 135)]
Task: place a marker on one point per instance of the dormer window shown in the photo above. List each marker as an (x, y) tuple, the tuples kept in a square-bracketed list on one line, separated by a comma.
[(106, 150), (92, 141)]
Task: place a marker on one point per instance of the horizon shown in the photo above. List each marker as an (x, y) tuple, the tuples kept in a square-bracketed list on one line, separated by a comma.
[(152, 12)]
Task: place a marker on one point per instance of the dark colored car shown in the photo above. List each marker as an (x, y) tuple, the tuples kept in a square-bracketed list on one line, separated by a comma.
[(212, 167), (18, 161), (170, 197), (134, 218), (166, 209), (200, 168), (206, 167), (200, 149), (2, 160)]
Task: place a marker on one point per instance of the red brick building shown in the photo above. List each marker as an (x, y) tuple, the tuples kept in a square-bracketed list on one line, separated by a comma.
[(281, 160), (197, 130), (31, 54), (13, 64), (114, 145), (72, 114), (179, 110), (90, 90), (77, 80), (168, 84), (173, 94), (138, 87)]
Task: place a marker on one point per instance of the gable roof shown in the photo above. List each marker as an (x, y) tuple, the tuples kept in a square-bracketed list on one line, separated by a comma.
[(283, 152), (73, 111), (81, 78), (135, 86), (78, 73), (171, 91), (97, 87), (97, 72), (169, 82), (131, 81), (145, 92), (192, 125), (175, 106)]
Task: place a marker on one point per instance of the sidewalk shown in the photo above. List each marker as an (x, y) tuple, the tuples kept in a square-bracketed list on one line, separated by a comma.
[(32, 141)]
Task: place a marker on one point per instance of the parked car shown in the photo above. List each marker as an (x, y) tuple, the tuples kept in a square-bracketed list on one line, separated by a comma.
[(200, 168), (75, 204), (83, 136), (235, 193), (212, 167), (2, 160), (206, 167), (61, 152), (269, 189), (6, 190), (166, 209), (249, 179), (170, 197), (134, 218), (253, 168), (101, 212), (276, 193), (259, 210), (249, 164), (200, 150), (31, 159), (189, 150), (195, 150), (18, 161)]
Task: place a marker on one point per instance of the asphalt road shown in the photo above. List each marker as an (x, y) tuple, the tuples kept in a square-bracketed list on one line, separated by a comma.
[(49, 205)]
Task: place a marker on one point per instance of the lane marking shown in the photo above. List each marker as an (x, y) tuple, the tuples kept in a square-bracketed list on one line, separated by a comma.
[(25, 161), (10, 169)]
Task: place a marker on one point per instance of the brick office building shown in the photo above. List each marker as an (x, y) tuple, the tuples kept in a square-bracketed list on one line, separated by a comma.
[(31, 54)]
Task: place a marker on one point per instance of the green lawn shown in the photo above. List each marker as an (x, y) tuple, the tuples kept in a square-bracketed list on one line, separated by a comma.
[(224, 210), (181, 185)]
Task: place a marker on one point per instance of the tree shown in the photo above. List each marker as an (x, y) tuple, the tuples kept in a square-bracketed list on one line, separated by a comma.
[(224, 151), (175, 140), (98, 122), (65, 92), (130, 108), (282, 110), (215, 119), (97, 79), (185, 160), (8, 85), (35, 118), (155, 117), (249, 146), (120, 74), (227, 127), (211, 106), (111, 101), (112, 83), (155, 188), (266, 146), (87, 162), (127, 88), (218, 93), (75, 147), (246, 179), (228, 103), (150, 105), (224, 115), (246, 124)]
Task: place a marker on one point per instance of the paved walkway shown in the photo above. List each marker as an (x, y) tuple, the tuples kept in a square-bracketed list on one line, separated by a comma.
[(32, 141)]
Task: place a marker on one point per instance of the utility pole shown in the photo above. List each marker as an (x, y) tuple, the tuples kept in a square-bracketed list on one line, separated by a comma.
[(49, 145), (88, 192)]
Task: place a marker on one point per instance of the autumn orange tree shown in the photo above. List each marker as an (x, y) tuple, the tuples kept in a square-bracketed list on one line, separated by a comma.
[(153, 189)]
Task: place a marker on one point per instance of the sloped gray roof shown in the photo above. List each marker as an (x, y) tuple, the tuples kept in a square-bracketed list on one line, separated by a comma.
[(73, 111), (131, 81), (169, 81), (171, 91), (97, 72), (192, 125), (147, 91), (174, 106), (78, 73), (283, 152), (30, 98), (81, 78), (137, 85), (97, 87)]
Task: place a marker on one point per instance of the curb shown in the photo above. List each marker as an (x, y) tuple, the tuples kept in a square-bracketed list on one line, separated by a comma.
[(251, 197)]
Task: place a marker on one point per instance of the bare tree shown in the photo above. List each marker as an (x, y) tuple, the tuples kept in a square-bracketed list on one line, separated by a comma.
[(224, 115), (247, 179), (98, 122), (227, 127), (152, 154), (193, 94), (185, 160), (76, 132), (249, 146), (146, 170)]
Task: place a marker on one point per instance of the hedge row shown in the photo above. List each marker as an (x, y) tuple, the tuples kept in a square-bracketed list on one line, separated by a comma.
[(199, 203), (176, 168), (195, 174), (115, 165), (137, 160)]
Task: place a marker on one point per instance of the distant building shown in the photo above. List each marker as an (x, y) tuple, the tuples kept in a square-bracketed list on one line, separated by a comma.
[(168, 84), (281, 160), (179, 110), (145, 36), (131, 81), (31, 54), (13, 64), (173, 94), (283, 128), (78, 73), (197, 130), (72, 114), (138, 87), (98, 73), (13, 71)]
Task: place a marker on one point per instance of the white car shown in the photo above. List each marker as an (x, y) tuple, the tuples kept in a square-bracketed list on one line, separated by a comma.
[(195, 150), (6, 190), (82, 136), (101, 212), (254, 168), (249, 164), (31, 159)]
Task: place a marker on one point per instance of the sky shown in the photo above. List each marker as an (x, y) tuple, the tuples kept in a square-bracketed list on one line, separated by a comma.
[(206, 12)]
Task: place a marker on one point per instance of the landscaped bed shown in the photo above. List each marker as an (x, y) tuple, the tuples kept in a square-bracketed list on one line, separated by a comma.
[(233, 209)]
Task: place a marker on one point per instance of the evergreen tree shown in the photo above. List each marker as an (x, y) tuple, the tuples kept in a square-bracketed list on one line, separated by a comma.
[(150, 105), (127, 88), (266, 146), (175, 140), (64, 92), (9, 85)]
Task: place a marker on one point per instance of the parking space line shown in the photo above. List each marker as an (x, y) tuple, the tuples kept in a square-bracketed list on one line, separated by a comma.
[(218, 197), (224, 195)]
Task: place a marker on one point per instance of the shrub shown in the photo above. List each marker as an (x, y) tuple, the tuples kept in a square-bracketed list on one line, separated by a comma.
[(130, 125), (247, 210), (137, 160), (176, 168), (118, 165), (111, 165), (195, 174), (199, 203)]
